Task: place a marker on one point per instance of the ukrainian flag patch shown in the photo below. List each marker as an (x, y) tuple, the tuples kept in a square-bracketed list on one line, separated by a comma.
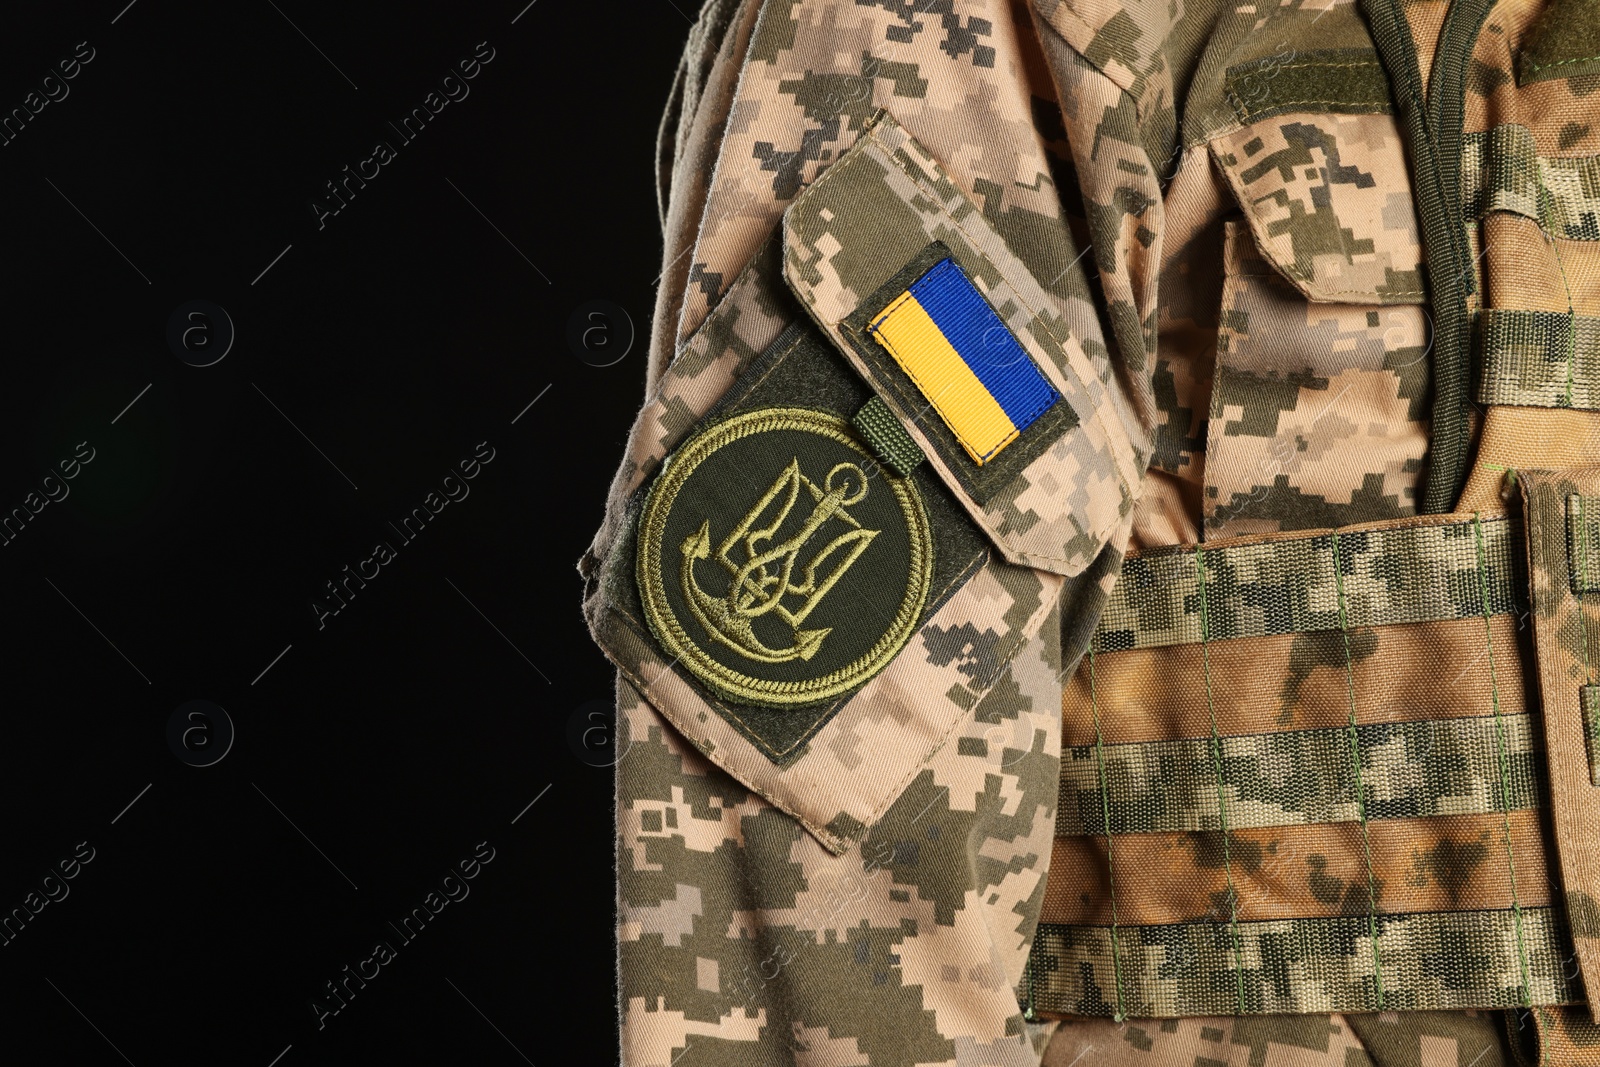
[(969, 366)]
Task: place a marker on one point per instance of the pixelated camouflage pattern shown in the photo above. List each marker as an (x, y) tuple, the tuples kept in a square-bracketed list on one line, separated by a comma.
[(1558, 112), (1539, 359), (1318, 416), (965, 80), (1309, 186), (1501, 170), (687, 145), (1302, 777), (1455, 668), (744, 942), (1256, 55), (1388, 1039), (1106, 172), (1408, 570), (1186, 344), (965, 720), (755, 312), (857, 764), (1118, 187), (1451, 863), (1566, 629), (1305, 965), (870, 215)]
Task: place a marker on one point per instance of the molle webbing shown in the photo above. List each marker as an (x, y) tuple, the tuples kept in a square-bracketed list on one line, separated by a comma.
[(1299, 774), (1501, 170), (1545, 359), (1410, 571)]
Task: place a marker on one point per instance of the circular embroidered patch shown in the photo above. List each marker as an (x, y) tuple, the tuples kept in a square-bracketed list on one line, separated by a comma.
[(778, 562)]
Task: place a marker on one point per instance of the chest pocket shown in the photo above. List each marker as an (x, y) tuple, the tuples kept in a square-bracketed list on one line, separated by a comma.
[(864, 491), (1318, 413)]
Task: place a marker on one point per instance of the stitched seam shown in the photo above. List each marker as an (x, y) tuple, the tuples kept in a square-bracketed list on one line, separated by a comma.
[(1355, 759), (1105, 819), (1500, 744), (1278, 107), (1536, 67), (1216, 763), (1308, 64), (1572, 315)]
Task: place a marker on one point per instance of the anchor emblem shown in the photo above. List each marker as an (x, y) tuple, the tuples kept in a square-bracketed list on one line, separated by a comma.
[(770, 578)]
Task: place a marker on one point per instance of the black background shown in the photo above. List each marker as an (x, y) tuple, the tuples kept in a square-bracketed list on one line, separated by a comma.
[(377, 352)]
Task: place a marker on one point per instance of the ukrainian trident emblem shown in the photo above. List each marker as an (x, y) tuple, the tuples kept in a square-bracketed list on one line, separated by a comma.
[(775, 577), (776, 564)]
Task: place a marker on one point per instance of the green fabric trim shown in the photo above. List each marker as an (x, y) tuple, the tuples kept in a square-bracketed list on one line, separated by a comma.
[(1430, 961), (1347, 81), (1302, 777), (882, 431), (1542, 359), (1432, 125), (1591, 729), (1418, 573), (1563, 44)]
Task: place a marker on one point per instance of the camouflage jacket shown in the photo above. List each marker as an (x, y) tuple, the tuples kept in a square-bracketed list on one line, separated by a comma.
[(1066, 564)]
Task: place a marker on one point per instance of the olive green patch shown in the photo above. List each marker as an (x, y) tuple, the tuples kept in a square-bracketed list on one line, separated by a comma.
[(1345, 81), (1564, 43), (772, 567), (881, 429), (801, 366)]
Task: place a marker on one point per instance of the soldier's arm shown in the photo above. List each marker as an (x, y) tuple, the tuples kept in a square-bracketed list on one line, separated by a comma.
[(874, 502)]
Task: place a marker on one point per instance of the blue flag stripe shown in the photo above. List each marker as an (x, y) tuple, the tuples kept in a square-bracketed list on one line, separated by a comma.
[(984, 343)]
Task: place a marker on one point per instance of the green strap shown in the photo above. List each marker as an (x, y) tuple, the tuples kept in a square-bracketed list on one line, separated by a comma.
[(1433, 133), (882, 430)]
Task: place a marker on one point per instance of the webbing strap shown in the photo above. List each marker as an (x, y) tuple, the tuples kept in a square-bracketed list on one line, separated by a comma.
[(1222, 789), (1546, 359), (1559, 536), (1361, 791), (1410, 570), (1432, 961), (1505, 770)]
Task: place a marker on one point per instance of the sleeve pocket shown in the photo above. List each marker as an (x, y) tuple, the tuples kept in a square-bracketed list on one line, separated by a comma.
[(818, 574)]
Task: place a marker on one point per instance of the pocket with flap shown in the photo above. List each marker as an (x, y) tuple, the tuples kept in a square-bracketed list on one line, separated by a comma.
[(815, 577)]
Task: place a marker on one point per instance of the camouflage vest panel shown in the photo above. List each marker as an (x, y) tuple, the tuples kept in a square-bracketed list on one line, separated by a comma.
[(1335, 746)]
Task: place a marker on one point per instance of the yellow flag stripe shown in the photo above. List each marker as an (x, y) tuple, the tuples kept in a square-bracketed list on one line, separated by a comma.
[(916, 343)]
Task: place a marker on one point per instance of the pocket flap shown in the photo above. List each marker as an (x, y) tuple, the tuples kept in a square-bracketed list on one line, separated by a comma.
[(963, 346), (1319, 193)]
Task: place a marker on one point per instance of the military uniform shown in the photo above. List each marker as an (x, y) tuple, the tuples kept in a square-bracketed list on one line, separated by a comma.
[(1107, 563)]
